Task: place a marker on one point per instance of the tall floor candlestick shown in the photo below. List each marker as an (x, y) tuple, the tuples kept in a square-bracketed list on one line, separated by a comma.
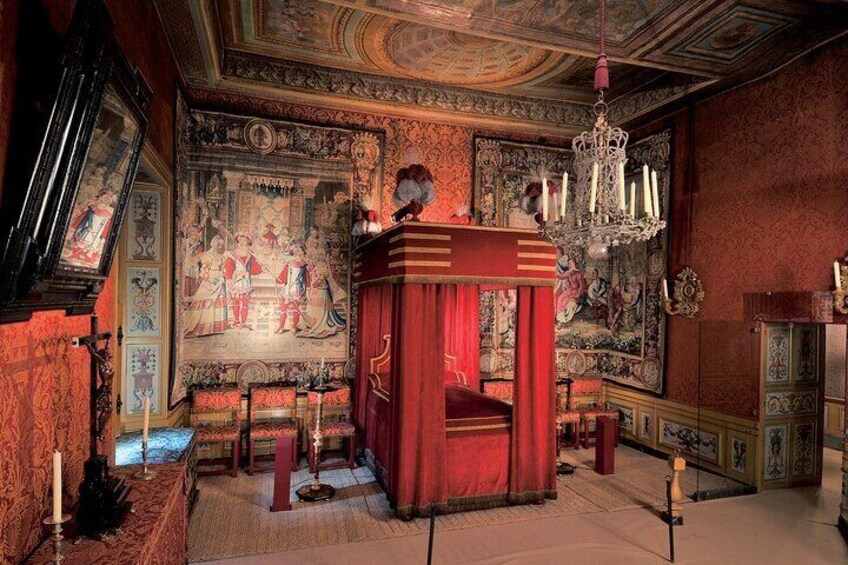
[(55, 525)]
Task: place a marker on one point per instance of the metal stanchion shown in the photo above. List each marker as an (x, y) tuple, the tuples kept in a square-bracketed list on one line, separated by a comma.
[(432, 532), (670, 522)]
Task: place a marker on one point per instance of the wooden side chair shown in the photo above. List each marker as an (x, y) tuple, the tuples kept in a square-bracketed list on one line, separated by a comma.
[(588, 399), (502, 390), (567, 418), (216, 415), (336, 423), (271, 414)]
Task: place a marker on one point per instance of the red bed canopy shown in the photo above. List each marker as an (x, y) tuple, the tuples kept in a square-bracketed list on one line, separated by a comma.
[(419, 283)]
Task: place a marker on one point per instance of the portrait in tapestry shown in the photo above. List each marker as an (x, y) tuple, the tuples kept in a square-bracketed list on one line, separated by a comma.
[(609, 310), (264, 220)]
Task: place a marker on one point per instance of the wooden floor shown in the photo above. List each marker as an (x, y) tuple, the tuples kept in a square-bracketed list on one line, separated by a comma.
[(777, 527)]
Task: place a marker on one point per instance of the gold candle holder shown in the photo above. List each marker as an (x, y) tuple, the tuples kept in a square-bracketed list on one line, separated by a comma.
[(56, 536), (687, 296), (839, 301), (145, 474)]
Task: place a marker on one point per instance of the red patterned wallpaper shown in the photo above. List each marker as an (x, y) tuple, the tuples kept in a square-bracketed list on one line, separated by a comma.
[(447, 150), (768, 212), (44, 382)]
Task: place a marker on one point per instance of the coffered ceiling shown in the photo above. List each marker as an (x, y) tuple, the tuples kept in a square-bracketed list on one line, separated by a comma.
[(510, 64)]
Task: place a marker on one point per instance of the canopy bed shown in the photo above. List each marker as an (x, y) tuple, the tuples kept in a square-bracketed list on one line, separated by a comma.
[(431, 437)]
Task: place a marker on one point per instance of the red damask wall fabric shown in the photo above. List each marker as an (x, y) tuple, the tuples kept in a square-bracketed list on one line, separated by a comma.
[(532, 469)]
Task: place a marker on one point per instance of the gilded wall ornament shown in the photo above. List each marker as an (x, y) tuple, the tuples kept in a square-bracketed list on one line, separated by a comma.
[(687, 297)]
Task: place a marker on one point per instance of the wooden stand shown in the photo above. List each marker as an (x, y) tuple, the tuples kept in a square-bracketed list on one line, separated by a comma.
[(282, 474), (605, 446), (673, 515)]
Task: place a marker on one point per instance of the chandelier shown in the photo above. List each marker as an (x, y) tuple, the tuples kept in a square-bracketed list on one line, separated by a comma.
[(602, 212)]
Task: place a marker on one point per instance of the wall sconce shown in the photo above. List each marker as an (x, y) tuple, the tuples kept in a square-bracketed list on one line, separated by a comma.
[(840, 276), (688, 294)]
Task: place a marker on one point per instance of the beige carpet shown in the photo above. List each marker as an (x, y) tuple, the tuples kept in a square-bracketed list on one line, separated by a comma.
[(232, 518)]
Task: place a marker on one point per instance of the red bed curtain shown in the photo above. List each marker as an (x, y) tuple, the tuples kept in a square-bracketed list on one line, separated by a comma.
[(374, 322), (532, 457), (418, 472), (462, 329)]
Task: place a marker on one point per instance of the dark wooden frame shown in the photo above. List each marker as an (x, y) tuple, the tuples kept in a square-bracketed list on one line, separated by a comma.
[(33, 230)]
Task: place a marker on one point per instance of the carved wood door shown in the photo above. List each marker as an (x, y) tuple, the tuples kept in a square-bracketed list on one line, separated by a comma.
[(792, 396)]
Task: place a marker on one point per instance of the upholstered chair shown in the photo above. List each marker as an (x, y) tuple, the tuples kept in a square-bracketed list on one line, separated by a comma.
[(502, 390), (588, 399), (272, 414), (216, 415), (336, 423), (567, 419)]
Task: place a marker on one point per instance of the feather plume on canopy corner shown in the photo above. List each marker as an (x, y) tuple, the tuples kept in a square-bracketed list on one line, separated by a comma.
[(365, 220), (414, 183), (530, 201)]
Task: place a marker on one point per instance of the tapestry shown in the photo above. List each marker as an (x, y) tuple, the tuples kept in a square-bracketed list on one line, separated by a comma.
[(607, 310), (262, 288), (143, 309), (144, 226)]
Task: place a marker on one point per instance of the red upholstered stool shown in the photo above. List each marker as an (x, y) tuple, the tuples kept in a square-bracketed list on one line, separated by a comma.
[(335, 424), (216, 415), (272, 414)]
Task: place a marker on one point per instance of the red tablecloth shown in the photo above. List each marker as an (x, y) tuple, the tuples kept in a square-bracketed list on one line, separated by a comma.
[(155, 533)]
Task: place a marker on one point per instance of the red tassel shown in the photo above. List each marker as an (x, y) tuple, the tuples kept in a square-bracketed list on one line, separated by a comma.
[(601, 73)]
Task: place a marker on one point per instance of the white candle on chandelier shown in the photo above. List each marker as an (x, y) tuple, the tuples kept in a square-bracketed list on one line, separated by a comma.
[(837, 276), (593, 197), (655, 190), (665, 289), (633, 199), (57, 486), (622, 204), (544, 200), (562, 204), (646, 189)]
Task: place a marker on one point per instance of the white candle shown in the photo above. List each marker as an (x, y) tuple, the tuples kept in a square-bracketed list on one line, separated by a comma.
[(562, 204), (57, 486), (646, 189), (593, 198), (633, 199), (622, 204), (837, 276), (146, 424), (544, 200), (665, 289), (322, 364), (654, 188)]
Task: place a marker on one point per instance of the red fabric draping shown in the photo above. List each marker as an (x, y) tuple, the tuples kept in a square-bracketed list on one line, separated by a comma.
[(418, 472), (375, 315), (462, 329), (532, 465)]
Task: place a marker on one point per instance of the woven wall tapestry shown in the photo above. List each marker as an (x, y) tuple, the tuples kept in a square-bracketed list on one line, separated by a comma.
[(609, 317), (262, 285)]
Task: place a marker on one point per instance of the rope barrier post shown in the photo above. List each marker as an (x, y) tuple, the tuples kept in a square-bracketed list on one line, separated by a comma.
[(432, 532), (670, 522)]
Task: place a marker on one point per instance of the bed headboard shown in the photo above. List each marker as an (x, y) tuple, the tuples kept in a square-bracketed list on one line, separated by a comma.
[(381, 363)]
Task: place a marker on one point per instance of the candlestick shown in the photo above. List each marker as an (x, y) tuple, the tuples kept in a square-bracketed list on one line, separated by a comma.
[(654, 188), (837, 276), (562, 204), (55, 525), (632, 199), (593, 198), (544, 200), (57, 486), (646, 190), (145, 474), (622, 205), (145, 426)]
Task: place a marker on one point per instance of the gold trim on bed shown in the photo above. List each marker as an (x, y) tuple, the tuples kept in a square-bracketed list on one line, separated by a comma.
[(413, 249)]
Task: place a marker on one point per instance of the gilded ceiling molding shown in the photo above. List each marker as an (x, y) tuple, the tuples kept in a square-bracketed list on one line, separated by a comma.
[(399, 92)]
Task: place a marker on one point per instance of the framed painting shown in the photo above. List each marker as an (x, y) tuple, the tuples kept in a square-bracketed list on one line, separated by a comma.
[(609, 317), (62, 234)]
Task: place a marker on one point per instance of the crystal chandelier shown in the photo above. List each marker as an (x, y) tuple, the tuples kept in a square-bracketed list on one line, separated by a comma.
[(602, 213)]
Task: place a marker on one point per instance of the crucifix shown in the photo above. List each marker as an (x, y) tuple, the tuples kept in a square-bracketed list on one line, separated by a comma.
[(103, 498)]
